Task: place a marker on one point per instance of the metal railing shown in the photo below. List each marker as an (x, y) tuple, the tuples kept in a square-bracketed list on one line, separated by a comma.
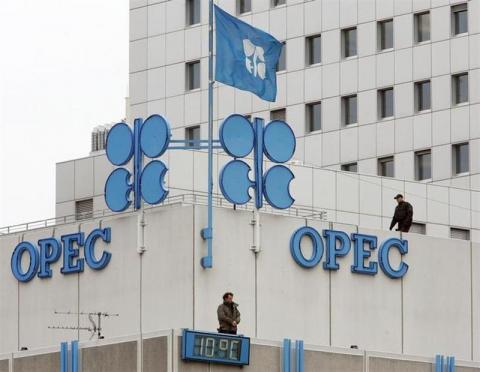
[(186, 199)]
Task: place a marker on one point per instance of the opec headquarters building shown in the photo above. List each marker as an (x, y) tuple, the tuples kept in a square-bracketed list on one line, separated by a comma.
[(277, 183)]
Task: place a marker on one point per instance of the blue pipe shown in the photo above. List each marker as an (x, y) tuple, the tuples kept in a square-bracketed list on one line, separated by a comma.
[(299, 356), (286, 355)]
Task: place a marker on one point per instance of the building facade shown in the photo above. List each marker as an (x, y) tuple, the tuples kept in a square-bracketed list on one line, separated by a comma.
[(385, 87)]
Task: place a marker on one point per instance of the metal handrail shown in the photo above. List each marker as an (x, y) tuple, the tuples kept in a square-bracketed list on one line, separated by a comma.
[(188, 199)]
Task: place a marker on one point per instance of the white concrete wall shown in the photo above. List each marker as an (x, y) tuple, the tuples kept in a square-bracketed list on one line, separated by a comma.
[(434, 309)]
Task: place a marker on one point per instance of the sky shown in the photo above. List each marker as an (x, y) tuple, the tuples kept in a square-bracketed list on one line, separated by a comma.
[(63, 71)]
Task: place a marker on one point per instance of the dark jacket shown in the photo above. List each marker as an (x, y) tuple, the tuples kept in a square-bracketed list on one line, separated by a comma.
[(227, 314), (403, 216)]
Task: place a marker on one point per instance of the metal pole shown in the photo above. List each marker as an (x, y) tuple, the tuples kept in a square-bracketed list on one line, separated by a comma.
[(207, 233)]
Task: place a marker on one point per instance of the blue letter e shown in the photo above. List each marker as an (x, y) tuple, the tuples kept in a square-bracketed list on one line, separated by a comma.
[(70, 253)]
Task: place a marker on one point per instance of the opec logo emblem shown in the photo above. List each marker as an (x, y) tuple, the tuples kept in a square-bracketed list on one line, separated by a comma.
[(150, 138), (238, 137), (254, 59), (276, 140)]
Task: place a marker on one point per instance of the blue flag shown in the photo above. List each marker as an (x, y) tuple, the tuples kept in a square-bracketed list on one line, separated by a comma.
[(246, 56)]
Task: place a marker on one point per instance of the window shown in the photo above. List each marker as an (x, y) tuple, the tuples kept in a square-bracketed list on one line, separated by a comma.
[(282, 60), (192, 134), (422, 95), (459, 19), (422, 27), (278, 2), (279, 114), (385, 32), (244, 6), (461, 158), (352, 167), (193, 12), (456, 233), (349, 42), (193, 75), (423, 165), (460, 88), (349, 109), (314, 49), (314, 116), (418, 228), (386, 167), (84, 209), (385, 99)]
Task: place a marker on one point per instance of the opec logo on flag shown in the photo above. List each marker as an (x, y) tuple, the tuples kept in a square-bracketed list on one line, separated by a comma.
[(246, 56)]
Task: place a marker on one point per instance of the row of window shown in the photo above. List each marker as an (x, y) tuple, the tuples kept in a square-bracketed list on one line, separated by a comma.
[(385, 99), (455, 232), (385, 30), (423, 163), (385, 36)]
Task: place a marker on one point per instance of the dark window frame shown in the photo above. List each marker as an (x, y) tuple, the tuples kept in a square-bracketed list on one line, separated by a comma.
[(311, 127), (382, 35), (189, 69), (346, 52), (420, 100), (190, 135), (310, 46), (464, 167), (347, 115), (456, 83), (382, 170), (383, 113), (346, 167), (457, 11), (419, 35), (420, 172), (242, 5), (194, 12)]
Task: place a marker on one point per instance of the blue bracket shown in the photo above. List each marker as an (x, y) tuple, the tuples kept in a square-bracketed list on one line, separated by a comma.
[(286, 355), (299, 356), (440, 363), (74, 365)]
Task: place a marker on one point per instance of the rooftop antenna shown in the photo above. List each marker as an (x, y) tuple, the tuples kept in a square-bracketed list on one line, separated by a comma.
[(96, 324)]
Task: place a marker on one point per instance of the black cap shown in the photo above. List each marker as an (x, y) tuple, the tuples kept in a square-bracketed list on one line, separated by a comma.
[(398, 196)]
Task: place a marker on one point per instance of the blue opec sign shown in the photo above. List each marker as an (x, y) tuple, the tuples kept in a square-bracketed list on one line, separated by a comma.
[(338, 244), (48, 251)]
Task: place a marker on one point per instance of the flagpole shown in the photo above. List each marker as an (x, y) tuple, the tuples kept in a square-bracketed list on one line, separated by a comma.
[(206, 262)]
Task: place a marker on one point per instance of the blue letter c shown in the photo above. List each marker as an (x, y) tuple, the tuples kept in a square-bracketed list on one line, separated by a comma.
[(384, 261)]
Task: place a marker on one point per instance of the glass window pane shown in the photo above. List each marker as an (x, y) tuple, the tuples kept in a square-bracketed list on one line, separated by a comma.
[(423, 27), (278, 2), (350, 42), (350, 109), (193, 8), (424, 166), (350, 167), (386, 34), (245, 6), (461, 88), (461, 158), (314, 52), (282, 61), (192, 134), (278, 114), (193, 75), (314, 116), (386, 167), (423, 95), (386, 97), (461, 21)]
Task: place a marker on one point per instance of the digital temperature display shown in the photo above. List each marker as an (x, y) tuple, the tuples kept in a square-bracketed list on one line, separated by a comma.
[(215, 348)]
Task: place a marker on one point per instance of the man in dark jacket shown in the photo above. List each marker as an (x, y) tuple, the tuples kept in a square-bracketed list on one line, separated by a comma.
[(403, 215), (228, 315)]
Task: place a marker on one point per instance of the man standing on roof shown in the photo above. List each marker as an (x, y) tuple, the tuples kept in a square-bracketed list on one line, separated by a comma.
[(403, 214)]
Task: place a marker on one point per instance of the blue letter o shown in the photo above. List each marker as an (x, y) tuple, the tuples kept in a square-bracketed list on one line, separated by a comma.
[(296, 250), (16, 262)]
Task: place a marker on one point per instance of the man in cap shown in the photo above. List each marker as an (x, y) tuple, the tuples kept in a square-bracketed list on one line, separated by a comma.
[(228, 315), (403, 214)]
